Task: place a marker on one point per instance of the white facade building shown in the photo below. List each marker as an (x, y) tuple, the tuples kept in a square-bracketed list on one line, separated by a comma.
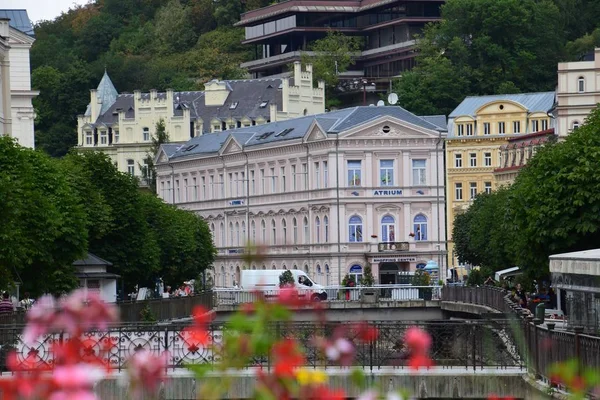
[(122, 125), (16, 109), (327, 193), (578, 92)]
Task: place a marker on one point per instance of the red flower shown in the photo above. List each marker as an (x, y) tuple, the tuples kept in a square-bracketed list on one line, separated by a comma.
[(366, 332), (287, 358), (322, 392), (289, 296), (417, 340), (419, 360), (202, 316)]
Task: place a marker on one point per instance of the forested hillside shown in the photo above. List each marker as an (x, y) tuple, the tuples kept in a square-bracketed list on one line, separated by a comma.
[(481, 47), (143, 44)]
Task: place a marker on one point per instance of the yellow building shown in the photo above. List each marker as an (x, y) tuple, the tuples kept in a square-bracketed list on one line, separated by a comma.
[(477, 129)]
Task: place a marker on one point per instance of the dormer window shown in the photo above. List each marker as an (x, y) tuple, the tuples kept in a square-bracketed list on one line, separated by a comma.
[(89, 138), (581, 84), (233, 105), (264, 104), (103, 138)]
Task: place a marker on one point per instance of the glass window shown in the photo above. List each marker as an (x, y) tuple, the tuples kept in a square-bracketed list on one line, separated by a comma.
[(177, 191), (195, 188), (295, 231), (469, 129), (222, 184), (487, 187), (89, 138), (388, 233), (575, 125), (501, 128), (544, 124), (273, 181), (231, 234), (318, 230), (283, 182), (487, 159), (355, 229), (386, 172), (419, 172), (252, 183), (581, 84), (357, 272), (253, 231), (222, 229), (458, 160), (304, 175), (185, 186), (473, 159), (203, 188), (306, 231), (354, 173), (263, 227), (486, 128), (146, 134), (103, 137), (284, 230), (231, 184), (326, 228), (262, 181), (460, 129), (273, 233), (535, 125), (472, 190), (294, 188), (212, 186), (516, 126), (317, 176), (131, 167), (325, 175), (237, 233), (420, 227), (458, 195)]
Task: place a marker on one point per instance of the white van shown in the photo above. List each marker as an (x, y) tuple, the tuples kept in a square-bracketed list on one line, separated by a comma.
[(268, 280)]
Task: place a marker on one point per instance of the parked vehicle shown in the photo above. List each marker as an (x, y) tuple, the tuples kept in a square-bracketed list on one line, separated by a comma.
[(268, 280)]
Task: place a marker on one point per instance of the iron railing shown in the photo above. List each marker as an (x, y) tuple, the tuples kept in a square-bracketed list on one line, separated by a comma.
[(165, 309), (468, 344), (542, 346)]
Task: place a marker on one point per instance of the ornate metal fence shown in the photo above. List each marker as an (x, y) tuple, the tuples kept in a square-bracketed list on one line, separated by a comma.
[(468, 344)]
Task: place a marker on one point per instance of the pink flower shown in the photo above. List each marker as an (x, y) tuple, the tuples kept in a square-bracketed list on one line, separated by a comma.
[(368, 395), (417, 339), (339, 350), (73, 395), (146, 372), (39, 319), (76, 376)]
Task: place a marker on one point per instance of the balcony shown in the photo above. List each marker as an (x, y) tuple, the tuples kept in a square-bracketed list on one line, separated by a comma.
[(392, 246)]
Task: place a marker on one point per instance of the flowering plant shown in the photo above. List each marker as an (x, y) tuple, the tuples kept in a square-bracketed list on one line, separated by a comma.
[(349, 281), (412, 234)]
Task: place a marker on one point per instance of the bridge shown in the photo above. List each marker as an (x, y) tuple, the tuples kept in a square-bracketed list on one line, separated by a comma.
[(499, 349)]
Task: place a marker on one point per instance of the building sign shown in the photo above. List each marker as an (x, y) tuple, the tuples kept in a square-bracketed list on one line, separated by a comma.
[(236, 251), (395, 192), (393, 259)]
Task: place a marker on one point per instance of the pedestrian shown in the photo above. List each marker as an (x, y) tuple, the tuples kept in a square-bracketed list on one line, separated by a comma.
[(522, 296), (26, 303), (6, 305)]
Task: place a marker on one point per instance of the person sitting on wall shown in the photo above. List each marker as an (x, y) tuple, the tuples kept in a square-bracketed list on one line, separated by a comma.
[(6, 305)]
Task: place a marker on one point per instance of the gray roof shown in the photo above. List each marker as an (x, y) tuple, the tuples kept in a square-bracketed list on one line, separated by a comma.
[(593, 255), (18, 20), (533, 102), (334, 122), (438, 120), (249, 94), (91, 260), (170, 148)]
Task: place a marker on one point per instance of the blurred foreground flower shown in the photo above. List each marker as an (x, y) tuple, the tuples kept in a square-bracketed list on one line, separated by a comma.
[(146, 372), (419, 342)]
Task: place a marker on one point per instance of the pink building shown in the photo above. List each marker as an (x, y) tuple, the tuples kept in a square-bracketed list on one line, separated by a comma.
[(327, 193)]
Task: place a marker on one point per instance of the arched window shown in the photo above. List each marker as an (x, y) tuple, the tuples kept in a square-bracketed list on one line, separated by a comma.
[(253, 231), (421, 266), (237, 233), (295, 231), (212, 231), (581, 84), (306, 231), (243, 232), (283, 266), (263, 227), (306, 269), (273, 232), (231, 235), (575, 125), (388, 229), (222, 229), (264, 267), (327, 274), (295, 266), (420, 227), (223, 276), (355, 229), (319, 274), (284, 229), (318, 230), (357, 271), (326, 228)]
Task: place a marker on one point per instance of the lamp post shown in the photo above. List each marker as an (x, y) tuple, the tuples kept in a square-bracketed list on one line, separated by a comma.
[(364, 83)]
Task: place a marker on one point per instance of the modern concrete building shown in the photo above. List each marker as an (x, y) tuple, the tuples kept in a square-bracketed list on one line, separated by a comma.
[(517, 152), (281, 31), (478, 128), (327, 193), (578, 92), (16, 109), (122, 125)]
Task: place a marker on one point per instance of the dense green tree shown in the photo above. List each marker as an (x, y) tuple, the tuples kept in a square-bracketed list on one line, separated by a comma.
[(218, 54), (173, 28), (488, 46), (43, 226), (202, 15), (583, 45), (227, 12)]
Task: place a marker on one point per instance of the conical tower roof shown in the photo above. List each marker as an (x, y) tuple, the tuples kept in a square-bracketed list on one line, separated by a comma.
[(106, 93)]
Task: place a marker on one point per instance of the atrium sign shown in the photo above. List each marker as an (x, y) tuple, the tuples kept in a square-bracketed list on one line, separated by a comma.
[(394, 192)]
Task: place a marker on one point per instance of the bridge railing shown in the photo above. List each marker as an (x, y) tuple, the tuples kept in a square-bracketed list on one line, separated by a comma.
[(377, 293), (540, 344), (466, 344), (165, 309)]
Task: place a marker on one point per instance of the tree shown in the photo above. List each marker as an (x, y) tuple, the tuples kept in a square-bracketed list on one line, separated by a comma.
[(486, 46), (554, 203), (227, 12), (173, 28), (333, 55), (286, 279), (159, 137), (43, 226)]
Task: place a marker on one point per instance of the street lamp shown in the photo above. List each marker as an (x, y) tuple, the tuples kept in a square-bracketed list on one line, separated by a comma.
[(364, 83)]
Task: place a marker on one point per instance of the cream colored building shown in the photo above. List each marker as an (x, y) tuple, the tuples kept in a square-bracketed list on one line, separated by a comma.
[(327, 193), (122, 125), (16, 109), (578, 92), (478, 132)]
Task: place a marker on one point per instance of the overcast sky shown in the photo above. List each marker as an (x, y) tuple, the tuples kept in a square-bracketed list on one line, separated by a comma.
[(41, 9)]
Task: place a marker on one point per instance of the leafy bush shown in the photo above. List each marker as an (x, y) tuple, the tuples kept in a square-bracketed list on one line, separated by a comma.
[(286, 279), (367, 278), (421, 278)]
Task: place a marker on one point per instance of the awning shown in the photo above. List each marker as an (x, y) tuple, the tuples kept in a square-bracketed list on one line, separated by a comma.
[(505, 273), (96, 275)]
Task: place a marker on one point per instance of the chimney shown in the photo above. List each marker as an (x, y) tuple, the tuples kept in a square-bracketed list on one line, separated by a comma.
[(297, 72), (94, 105), (4, 27), (215, 93)]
